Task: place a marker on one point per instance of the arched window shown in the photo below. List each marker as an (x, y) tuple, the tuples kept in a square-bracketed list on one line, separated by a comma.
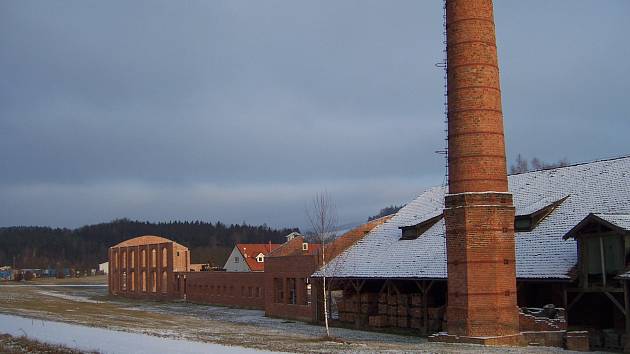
[(133, 280), (124, 259), (164, 258), (153, 258), (143, 258), (133, 259)]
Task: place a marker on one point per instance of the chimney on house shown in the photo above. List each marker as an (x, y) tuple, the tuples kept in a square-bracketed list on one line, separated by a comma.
[(479, 211)]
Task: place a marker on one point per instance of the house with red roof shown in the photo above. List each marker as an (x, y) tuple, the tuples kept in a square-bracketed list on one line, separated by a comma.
[(249, 257)]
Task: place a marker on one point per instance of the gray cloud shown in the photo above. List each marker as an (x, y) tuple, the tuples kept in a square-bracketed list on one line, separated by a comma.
[(242, 110)]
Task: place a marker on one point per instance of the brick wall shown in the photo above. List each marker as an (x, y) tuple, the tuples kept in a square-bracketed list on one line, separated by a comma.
[(286, 279), (238, 289)]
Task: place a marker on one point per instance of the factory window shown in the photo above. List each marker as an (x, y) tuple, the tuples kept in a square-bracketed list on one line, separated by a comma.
[(292, 291), (278, 288), (124, 281), (164, 285), (164, 258)]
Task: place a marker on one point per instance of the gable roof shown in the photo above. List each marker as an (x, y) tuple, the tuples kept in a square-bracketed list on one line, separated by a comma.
[(618, 222), (293, 247), (250, 251), (601, 187)]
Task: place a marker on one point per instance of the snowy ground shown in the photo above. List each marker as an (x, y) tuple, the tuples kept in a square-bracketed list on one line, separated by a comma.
[(191, 326)]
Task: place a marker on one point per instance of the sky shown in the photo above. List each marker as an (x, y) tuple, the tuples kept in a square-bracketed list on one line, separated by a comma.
[(241, 111)]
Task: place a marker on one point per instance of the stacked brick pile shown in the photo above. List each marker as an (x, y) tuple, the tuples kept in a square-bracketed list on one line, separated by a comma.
[(528, 322), (405, 311), (357, 309)]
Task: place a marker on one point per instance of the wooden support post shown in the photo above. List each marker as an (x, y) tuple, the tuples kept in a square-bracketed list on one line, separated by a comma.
[(565, 303), (626, 302), (603, 260)]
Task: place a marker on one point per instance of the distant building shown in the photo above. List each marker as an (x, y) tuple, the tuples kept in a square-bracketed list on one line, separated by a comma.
[(103, 268), (146, 266), (249, 257)]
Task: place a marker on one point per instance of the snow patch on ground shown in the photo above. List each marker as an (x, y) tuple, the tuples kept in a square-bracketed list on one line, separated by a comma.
[(69, 297)]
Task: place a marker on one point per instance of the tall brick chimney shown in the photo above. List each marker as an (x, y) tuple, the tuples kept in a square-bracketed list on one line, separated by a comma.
[(479, 211)]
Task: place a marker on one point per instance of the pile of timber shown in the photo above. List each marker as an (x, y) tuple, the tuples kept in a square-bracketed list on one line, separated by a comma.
[(407, 311)]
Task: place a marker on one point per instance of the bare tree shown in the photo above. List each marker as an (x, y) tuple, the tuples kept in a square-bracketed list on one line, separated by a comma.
[(520, 166), (322, 215)]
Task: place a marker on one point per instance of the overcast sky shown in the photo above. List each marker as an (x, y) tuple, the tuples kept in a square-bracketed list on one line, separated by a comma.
[(243, 110)]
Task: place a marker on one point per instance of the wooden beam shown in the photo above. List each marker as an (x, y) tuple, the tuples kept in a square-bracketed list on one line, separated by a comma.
[(595, 290), (614, 301), (575, 300), (395, 288), (385, 284)]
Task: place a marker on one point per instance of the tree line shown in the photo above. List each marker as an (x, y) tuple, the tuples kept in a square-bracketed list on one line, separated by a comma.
[(86, 247), (522, 165)]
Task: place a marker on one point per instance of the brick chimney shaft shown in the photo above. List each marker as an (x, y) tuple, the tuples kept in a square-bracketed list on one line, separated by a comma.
[(475, 121), (479, 213)]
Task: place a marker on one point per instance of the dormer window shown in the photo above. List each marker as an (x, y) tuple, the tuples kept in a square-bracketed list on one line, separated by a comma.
[(414, 231), (304, 246), (527, 222), (260, 258)]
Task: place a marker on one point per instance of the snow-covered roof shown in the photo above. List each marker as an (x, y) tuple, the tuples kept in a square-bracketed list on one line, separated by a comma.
[(620, 220), (601, 187)]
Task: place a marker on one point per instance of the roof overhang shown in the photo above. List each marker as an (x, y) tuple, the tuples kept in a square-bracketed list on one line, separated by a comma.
[(573, 233)]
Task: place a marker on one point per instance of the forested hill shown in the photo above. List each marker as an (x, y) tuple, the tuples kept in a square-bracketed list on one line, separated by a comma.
[(85, 247)]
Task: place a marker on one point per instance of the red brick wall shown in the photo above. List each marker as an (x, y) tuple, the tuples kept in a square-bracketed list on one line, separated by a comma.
[(476, 145), (479, 214), (278, 272), (238, 289)]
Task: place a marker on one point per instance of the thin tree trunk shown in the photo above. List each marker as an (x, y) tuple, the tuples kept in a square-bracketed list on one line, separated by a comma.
[(325, 295)]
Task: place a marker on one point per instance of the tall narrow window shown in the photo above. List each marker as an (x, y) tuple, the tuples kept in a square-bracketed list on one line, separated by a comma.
[(164, 284), (164, 258), (153, 258), (153, 281)]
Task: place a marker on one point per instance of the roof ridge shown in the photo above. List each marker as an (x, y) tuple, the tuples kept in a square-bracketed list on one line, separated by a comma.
[(621, 157)]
